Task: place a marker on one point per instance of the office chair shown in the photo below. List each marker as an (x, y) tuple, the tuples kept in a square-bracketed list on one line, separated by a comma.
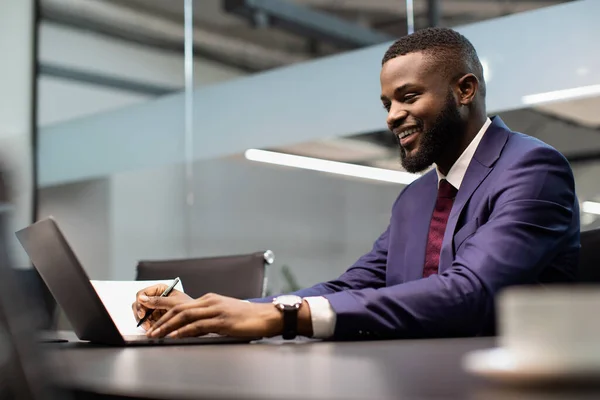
[(239, 276), (589, 257)]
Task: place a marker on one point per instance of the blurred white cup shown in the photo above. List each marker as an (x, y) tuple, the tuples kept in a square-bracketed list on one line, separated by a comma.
[(555, 326)]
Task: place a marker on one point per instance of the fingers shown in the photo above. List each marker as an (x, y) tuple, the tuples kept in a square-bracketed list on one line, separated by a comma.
[(157, 302), (181, 316), (198, 328), (152, 319), (134, 308), (139, 310), (154, 290)]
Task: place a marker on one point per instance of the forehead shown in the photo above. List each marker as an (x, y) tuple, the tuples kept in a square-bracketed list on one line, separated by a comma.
[(413, 68)]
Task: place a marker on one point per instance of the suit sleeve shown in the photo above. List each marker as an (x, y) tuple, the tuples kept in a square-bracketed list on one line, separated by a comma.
[(531, 214)]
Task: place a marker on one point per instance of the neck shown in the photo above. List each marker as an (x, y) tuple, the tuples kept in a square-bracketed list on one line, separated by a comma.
[(450, 156)]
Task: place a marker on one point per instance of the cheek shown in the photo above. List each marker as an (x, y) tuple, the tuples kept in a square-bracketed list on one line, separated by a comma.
[(427, 110)]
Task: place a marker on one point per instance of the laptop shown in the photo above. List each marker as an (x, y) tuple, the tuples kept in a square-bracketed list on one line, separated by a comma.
[(68, 282)]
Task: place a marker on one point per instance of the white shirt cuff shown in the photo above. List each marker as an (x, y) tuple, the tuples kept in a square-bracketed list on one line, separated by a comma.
[(322, 317)]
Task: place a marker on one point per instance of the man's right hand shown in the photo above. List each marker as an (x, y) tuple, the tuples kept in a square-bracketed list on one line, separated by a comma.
[(149, 299)]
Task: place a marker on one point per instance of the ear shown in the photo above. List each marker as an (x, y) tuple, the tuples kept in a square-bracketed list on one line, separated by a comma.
[(467, 86)]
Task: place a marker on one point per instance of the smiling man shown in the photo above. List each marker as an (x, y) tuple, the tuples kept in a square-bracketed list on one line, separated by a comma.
[(499, 209)]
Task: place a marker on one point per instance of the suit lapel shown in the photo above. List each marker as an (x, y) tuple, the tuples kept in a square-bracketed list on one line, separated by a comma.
[(420, 218), (485, 156)]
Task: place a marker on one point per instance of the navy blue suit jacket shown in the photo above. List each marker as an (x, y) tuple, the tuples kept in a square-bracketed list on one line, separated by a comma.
[(515, 220)]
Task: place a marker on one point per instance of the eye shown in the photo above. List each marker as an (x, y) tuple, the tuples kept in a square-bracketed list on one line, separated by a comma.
[(386, 105), (410, 98)]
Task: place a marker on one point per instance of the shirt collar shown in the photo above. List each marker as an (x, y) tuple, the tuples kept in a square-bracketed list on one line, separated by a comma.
[(459, 169)]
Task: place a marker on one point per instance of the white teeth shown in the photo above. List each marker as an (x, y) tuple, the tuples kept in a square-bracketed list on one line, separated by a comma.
[(408, 133)]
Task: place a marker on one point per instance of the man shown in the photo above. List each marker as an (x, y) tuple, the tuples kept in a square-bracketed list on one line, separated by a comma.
[(499, 209)]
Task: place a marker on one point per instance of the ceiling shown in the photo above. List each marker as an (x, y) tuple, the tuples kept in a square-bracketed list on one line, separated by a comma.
[(582, 111)]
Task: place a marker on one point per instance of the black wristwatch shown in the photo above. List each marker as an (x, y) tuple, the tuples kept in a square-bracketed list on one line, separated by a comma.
[(289, 304)]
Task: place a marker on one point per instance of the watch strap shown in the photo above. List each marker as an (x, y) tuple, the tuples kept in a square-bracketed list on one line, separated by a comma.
[(290, 323)]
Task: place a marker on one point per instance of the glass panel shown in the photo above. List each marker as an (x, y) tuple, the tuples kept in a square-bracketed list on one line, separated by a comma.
[(317, 224), (128, 55)]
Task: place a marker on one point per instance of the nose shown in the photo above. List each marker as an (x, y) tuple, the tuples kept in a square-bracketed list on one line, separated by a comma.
[(396, 116)]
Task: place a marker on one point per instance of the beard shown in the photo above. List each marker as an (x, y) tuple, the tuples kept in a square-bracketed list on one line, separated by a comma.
[(447, 126)]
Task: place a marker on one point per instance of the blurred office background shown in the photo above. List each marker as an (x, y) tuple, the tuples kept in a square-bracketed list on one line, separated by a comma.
[(130, 120)]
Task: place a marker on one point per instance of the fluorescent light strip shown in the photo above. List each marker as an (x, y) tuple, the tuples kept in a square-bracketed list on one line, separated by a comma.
[(565, 94), (334, 167), (591, 207)]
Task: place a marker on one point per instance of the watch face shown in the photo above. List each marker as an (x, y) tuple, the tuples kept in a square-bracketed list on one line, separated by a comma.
[(288, 300)]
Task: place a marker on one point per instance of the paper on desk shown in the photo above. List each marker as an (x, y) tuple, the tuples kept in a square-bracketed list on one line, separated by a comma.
[(118, 296)]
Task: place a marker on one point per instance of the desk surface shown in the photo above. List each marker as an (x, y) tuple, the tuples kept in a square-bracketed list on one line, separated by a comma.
[(415, 369)]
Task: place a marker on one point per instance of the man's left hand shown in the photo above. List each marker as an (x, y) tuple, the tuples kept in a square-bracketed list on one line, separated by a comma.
[(213, 313)]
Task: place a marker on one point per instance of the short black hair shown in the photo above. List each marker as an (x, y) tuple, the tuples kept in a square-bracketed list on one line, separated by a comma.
[(447, 48)]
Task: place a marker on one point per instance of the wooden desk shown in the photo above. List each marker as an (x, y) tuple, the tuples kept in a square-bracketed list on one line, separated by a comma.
[(415, 369)]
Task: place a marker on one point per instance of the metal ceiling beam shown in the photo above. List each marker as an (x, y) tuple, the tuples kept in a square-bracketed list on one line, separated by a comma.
[(478, 8), (104, 80), (433, 12), (306, 22), (142, 27)]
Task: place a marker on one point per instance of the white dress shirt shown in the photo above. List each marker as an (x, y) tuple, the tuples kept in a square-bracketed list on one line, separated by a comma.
[(323, 317)]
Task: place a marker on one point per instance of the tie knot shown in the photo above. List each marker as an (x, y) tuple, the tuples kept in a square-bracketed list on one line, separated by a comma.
[(446, 190)]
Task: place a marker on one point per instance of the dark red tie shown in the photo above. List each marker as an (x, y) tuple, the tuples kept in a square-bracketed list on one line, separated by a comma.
[(437, 227)]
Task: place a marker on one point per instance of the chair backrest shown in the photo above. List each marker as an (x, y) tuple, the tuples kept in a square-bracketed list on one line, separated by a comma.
[(239, 276), (589, 257)]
